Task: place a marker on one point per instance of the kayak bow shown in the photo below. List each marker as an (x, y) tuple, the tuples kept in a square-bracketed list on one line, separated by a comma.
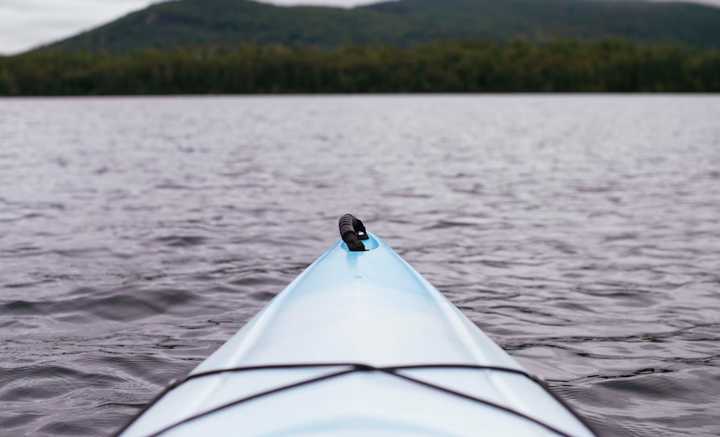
[(359, 344)]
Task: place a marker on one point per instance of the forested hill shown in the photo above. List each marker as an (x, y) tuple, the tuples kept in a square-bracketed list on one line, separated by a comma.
[(399, 23)]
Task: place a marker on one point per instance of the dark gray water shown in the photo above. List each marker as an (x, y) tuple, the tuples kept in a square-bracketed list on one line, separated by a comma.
[(582, 233)]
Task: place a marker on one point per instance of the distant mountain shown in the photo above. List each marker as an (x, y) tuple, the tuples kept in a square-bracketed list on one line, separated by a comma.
[(400, 23)]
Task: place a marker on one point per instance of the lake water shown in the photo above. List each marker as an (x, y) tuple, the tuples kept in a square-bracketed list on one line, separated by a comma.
[(582, 233)]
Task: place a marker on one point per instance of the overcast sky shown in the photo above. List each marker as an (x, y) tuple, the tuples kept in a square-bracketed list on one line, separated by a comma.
[(27, 23)]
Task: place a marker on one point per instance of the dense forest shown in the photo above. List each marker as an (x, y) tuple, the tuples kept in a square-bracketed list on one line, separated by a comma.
[(564, 66)]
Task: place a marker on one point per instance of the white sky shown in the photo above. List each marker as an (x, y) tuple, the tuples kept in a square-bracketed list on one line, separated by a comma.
[(27, 23)]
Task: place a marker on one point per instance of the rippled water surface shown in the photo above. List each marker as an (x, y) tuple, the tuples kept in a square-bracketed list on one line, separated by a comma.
[(582, 233)]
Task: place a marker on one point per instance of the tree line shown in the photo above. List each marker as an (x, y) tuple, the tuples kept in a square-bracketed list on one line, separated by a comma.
[(448, 67)]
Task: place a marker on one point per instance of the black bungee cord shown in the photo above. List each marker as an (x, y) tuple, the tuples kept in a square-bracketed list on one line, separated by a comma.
[(350, 368)]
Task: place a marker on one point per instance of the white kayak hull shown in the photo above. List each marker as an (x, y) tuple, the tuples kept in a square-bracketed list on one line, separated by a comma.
[(359, 307)]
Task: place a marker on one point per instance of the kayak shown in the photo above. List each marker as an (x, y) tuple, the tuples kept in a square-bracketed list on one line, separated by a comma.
[(359, 344)]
